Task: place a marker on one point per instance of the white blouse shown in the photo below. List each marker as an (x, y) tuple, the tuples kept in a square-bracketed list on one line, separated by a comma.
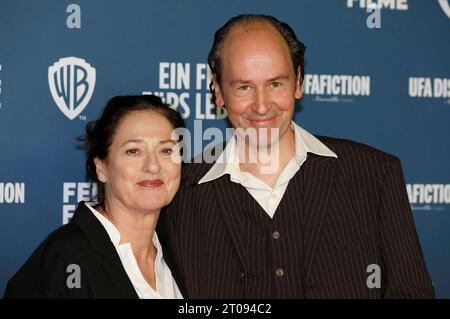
[(166, 287)]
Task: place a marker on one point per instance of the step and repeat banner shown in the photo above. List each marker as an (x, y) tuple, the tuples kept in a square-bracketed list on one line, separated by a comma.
[(377, 71)]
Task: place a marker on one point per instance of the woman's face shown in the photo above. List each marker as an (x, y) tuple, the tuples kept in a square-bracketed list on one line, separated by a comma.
[(142, 170)]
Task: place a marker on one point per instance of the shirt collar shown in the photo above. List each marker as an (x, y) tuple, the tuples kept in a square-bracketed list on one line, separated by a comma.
[(228, 161), (114, 233), (311, 143)]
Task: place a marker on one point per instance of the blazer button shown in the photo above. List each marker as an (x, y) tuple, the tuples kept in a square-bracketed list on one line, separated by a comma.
[(242, 275), (279, 272), (276, 234)]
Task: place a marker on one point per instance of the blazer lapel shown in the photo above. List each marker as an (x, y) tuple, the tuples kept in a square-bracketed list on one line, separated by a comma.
[(318, 175), (100, 241), (118, 277)]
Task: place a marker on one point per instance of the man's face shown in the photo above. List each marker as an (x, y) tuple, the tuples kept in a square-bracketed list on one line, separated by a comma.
[(258, 84)]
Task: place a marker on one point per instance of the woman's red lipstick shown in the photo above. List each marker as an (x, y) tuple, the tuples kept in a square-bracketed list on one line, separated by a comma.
[(151, 183)]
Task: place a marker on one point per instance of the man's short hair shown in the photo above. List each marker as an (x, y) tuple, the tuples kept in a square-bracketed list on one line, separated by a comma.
[(296, 48)]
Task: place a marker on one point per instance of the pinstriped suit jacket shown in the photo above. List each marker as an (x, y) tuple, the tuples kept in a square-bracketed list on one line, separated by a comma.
[(356, 213)]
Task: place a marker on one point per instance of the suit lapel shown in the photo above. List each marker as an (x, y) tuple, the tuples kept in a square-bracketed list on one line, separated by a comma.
[(101, 243), (118, 277), (230, 195), (317, 182)]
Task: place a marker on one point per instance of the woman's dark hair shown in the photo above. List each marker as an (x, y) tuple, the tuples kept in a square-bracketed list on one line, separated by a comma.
[(100, 133), (296, 48)]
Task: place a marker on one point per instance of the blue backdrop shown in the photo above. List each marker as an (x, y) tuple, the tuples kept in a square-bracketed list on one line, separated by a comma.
[(380, 77)]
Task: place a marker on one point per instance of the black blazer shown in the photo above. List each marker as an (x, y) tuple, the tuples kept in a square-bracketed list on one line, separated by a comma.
[(356, 213), (83, 242)]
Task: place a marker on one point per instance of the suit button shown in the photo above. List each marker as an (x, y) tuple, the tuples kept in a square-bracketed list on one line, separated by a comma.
[(279, 272), (242, 275), (276, 235)]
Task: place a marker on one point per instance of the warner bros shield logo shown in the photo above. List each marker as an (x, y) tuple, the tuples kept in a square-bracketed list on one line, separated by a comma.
[(71, 81)]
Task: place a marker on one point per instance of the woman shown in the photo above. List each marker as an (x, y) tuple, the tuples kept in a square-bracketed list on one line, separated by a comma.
[(111, 250)]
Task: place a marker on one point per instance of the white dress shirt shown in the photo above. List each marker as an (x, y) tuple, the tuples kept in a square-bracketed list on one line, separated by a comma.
[(166, 288), (267, 197)]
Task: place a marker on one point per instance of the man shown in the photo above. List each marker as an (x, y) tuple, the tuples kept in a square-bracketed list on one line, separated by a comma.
[(330, 220)]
